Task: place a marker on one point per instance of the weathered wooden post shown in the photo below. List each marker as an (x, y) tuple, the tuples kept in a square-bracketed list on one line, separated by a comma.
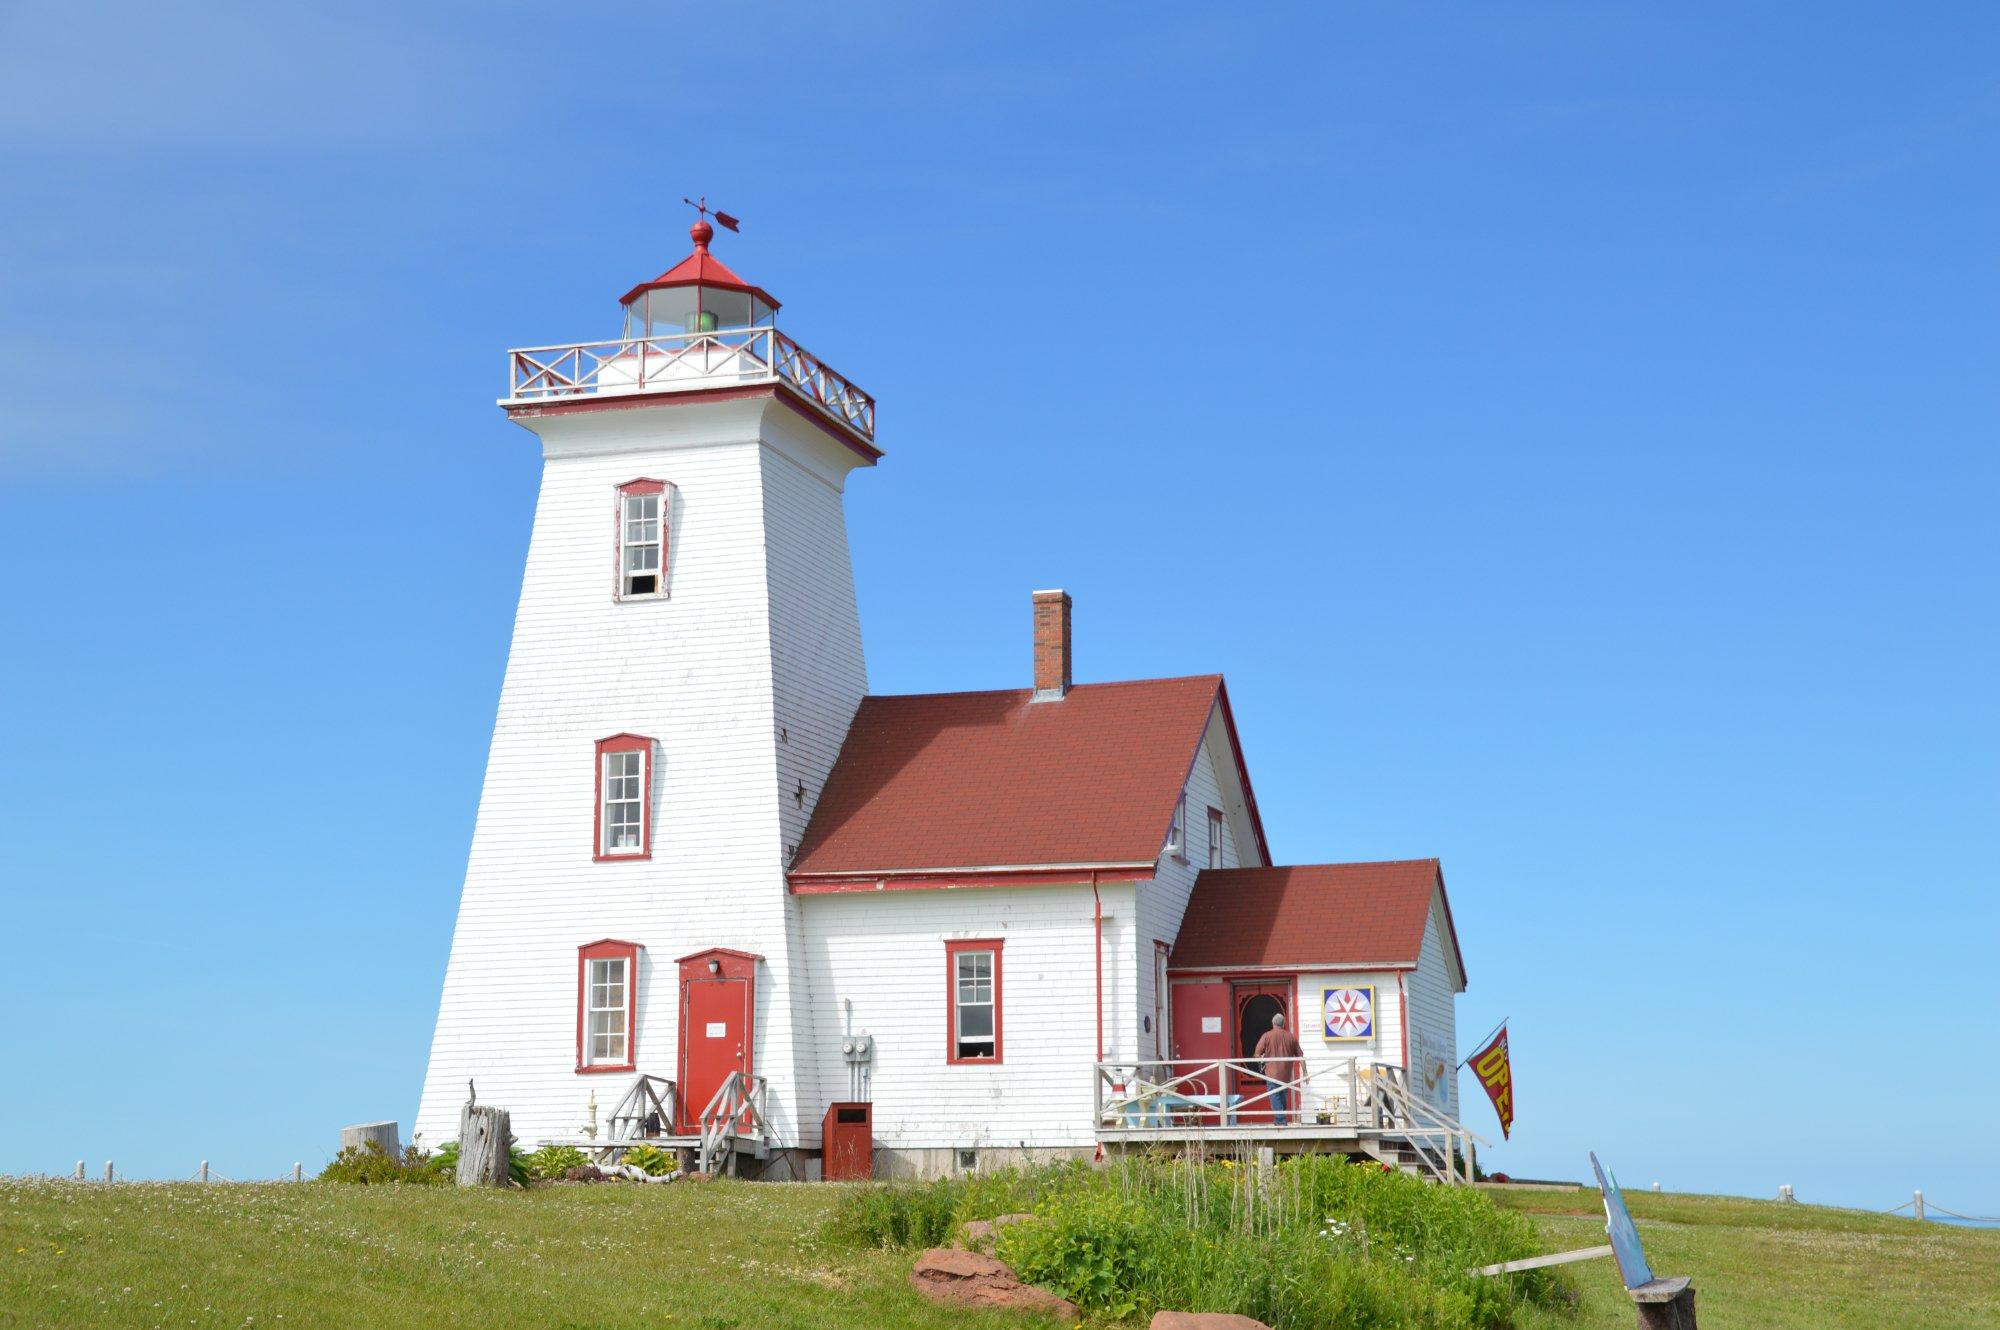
[(107, 1170), (79, 1170), (381, 1133), (484, 1135), (298, 1171), (201, 1174), (1918, 1201), (1665, 1304)]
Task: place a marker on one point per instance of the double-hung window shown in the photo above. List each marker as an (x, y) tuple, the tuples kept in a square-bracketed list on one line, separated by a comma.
[(642, 539), (606, 975), (972, 976), (624, 797), (1177, 833), (1215, 838)]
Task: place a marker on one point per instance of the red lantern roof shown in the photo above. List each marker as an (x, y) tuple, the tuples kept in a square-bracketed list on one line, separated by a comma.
[(701, 269)]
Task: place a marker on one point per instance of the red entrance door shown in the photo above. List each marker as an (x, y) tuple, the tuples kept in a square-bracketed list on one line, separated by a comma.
[(1200, 1032), (718, 1026)]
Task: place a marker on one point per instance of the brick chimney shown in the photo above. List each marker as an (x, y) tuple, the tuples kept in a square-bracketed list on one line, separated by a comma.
[(1051, 645)]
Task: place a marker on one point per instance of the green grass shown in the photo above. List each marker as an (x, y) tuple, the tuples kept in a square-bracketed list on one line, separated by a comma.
[(1779, 1267), (687, 1257), (750, 1254)]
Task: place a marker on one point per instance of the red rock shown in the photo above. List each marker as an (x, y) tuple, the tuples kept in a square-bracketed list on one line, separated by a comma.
[(960, 1278), (1203, 1321), (982, 1234)]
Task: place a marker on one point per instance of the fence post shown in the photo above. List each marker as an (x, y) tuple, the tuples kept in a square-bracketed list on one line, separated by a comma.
[(107, 1170), (297, 1172), (79, 1170), (1919, 1202), (202, 1175)]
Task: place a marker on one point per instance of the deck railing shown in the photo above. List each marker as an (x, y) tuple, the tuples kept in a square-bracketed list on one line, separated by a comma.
[(649, 1108), (682, 362), (1190, 1098), (736, 1109)]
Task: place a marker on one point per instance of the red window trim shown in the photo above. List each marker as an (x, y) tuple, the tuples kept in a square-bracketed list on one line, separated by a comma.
[(623, 743), (640, 485), (605, 949), (951, 950)]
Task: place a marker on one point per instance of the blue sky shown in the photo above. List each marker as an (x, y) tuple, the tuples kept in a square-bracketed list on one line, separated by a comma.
[(1570, 427)]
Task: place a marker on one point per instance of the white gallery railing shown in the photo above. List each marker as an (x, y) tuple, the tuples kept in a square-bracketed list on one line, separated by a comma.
[(684, 362), (1190, 1097)]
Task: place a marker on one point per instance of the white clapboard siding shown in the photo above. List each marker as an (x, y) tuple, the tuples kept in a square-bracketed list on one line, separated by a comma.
[(758, 637), (1163, 901), (1434, 1007), (885, 951)]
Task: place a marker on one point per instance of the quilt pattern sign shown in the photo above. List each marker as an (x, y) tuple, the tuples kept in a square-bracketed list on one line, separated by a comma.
[(1348, 1014)]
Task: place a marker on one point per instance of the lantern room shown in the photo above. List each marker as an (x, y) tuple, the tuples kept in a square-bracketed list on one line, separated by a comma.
[(697, 295)]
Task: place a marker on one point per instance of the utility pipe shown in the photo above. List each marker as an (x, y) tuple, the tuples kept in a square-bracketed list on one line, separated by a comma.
[(1097, 946), (1097, 912)]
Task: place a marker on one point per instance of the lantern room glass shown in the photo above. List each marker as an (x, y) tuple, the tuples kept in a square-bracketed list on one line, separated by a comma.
[(669, 311)]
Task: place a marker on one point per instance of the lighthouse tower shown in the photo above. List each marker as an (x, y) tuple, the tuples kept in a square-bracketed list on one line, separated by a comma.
[(686, 660)]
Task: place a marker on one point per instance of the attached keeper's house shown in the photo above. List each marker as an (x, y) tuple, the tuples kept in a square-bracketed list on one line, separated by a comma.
[(721, 898)]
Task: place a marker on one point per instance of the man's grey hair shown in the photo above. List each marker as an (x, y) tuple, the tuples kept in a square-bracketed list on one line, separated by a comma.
[(1278, 1019)]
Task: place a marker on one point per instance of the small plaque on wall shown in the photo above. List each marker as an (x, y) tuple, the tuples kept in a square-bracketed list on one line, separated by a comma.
[(718, 1029), (1211, 1025), (1348, 1014)]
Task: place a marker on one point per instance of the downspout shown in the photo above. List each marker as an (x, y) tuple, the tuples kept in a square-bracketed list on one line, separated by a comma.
[(1097, 946), (1097, 921)]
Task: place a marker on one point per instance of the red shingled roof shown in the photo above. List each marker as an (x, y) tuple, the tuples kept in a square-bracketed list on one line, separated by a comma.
[(983, 780), (701, 268), (1313, 914)]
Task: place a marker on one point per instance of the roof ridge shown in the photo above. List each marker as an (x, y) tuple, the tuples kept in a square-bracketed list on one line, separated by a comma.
[(1331, 863), (1016, 692)]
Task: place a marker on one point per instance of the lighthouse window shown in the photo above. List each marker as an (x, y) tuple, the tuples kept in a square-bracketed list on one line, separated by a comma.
[(624, 773), (642, 539), (605, 1037), (623, 797), (607, 974)]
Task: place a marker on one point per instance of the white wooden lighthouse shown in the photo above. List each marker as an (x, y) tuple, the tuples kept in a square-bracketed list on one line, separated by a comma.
[(720, 898), (686, 659)]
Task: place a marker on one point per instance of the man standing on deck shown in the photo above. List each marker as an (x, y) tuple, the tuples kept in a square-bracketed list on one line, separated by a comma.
[(1279, 1056)]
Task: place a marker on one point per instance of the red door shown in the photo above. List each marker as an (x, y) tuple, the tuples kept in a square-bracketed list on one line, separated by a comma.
[(718, 1034), (1200, 1029)]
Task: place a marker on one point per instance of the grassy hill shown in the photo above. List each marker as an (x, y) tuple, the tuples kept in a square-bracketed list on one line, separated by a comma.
[(750, 1255), (1780, 1267)]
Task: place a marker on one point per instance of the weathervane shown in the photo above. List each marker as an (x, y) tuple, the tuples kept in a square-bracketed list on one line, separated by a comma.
[(701, 206)]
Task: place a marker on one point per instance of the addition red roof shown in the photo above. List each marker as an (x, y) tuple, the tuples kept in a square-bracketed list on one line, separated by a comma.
[(957, 781), (1306, 915)]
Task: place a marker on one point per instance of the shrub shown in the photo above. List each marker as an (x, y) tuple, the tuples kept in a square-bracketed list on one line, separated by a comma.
[(1313, 1242), (1095, 1249), (445, 1162), (369, 1165), (648, 1159), (554, 1161)]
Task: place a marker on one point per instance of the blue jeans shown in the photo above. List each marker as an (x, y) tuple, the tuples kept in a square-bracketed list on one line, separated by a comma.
[(1281, 1101)]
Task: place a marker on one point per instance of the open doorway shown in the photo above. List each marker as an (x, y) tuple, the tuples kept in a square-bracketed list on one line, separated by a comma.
[(1256, 1004)]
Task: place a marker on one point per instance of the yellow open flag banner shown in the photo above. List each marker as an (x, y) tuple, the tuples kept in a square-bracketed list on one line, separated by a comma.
[(1496, 1076)]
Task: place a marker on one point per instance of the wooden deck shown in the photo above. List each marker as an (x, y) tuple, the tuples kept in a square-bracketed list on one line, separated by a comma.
[(1347, 1107)]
